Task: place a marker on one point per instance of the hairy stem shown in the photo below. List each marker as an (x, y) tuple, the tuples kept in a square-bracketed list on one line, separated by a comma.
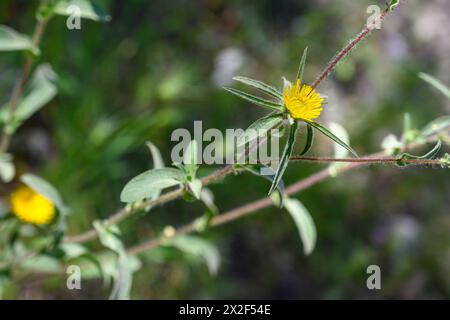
[(346, 50)]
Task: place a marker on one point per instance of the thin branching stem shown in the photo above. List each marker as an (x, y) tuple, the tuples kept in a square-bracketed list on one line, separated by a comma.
[(262, 203), (20, 85)]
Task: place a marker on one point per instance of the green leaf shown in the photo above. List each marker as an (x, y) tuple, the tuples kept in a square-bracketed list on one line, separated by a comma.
[(435, 83), (7, 170), (339, 152), (309, 139), (87, 10), (145, 185), (330, 135), (46, 189), (435, 126), (207, 197), (158, 162), (42, 264), (199, 248), (190, 159), (11, 40), (304, 222), (285, 157), (429, 155), (126, 265), (260, 128), (195, 186), (256, 100), (42, 89), (301, 67), (267, 89), (392, 5)]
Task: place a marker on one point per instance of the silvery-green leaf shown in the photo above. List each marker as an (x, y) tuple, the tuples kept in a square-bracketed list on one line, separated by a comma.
[(304, 223), (40, 92), (207, 197), (339, 152), (330, 135), (42, 263), (260, 86), (7, 169), (85, 8), (260, 128), (435, 126), (309, 139), (158, 162), (46, 189), (429, 155), (285, 157), (199, 248), (190, 159), (301, 67), (195, 186), (145, 185), (435, 83), (11, 40), (126, 265), (73, 250), (256, 100)]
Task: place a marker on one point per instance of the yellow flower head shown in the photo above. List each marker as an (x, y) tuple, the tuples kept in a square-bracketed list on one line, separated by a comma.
[(302, 101), (31, 207)]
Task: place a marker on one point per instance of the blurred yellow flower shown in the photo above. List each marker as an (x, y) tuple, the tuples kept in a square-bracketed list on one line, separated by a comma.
[(31, 207), (302, 101)]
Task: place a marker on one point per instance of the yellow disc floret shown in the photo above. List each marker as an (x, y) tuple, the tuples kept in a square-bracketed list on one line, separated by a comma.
[(302, 101), (31, 207)]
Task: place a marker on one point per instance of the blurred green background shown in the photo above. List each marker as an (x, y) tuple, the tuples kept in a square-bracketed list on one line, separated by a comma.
[(159, 65)]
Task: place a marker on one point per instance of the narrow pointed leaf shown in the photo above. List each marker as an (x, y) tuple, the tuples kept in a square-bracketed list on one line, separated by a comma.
[(435, 126), (11, 40), (309, 139), (285, 157), (429, 155), (330, 135), (256, 100), (392, 5), (301, 67), (260, 128), (267, 89), (435, 83), (158, 162)]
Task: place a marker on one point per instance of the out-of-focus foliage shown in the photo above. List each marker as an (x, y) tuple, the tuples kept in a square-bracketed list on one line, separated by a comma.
[(160, 65)]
